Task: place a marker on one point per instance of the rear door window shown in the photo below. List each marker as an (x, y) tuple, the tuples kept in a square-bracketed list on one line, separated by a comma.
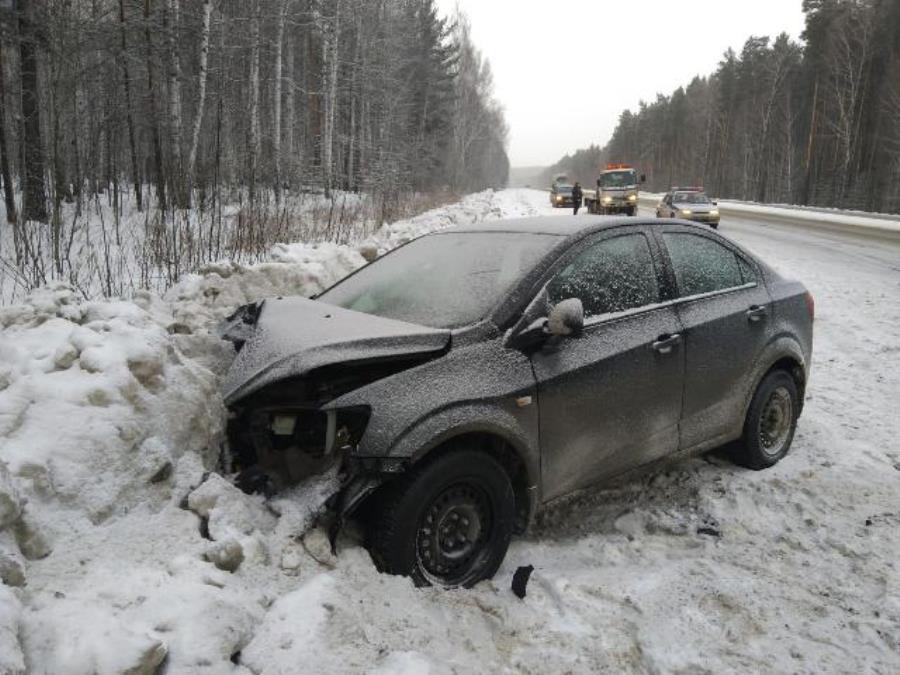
[(612, 275), (701, 265)]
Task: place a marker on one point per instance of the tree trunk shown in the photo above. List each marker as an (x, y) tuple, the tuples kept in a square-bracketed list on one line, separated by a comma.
[(126, 82), (202, 78), (153, 95), (254, 100), (330, 66), (8, 192), (291, 107), (180, 195), (34, 201), (354, 96), (276, 103), (810, 145)]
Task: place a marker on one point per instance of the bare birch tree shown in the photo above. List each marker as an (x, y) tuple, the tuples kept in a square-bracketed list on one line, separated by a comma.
[(255, 138), (202, 76)]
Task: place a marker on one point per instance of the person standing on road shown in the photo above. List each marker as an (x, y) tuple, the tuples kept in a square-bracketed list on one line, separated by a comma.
[(577, 196)]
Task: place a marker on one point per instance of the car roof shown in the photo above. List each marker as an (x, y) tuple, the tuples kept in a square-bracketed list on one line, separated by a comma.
[(569, 229), (561, 226)]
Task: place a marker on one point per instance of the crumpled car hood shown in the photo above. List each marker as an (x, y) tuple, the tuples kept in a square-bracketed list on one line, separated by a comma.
[(291, 337)]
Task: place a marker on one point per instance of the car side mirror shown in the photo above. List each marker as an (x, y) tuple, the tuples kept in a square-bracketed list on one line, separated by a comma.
[(715, 202), (598, 183), (643, 178), (566, 318)]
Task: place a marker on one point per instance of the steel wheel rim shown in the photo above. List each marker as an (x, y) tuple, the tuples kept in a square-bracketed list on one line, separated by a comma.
[(453, 533), (775, 421)]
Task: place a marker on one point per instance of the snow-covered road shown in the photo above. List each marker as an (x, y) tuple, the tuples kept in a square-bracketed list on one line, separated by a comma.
[(804, 576), (107, 411)]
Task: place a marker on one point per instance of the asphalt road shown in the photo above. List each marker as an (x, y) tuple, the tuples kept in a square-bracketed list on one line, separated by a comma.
[(845, 250)]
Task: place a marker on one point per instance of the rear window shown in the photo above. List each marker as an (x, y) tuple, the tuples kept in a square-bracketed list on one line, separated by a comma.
[(691, 198)]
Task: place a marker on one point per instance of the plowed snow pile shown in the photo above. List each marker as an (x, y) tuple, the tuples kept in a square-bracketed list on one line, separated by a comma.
[(123, 551)]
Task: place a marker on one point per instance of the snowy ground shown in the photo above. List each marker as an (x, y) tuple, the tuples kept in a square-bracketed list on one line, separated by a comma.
[(116, 561)]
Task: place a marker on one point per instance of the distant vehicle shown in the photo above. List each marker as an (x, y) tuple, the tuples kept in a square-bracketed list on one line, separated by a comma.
[(617, 191), (561, 195), (689, 203), (467, 378)]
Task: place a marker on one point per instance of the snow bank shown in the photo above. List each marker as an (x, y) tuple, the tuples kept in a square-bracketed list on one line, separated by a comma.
[(12, 662), (124, 545), (85, 386), (102, 418), (307, 269)]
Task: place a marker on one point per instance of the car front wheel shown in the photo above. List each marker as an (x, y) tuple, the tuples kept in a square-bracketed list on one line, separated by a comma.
[(447, 523), (771, 422)]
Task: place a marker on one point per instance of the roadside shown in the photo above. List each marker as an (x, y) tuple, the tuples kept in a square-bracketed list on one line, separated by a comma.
[(855, 224), (109, 418)]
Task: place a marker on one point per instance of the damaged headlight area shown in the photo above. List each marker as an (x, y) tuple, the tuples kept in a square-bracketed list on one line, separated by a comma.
[(285, 432), (275, 446)]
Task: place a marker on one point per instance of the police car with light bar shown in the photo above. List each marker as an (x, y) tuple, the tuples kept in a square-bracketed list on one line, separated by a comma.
[(689, 203)]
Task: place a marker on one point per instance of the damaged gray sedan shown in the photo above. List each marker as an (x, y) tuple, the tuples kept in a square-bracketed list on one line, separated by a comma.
[(472, 375)]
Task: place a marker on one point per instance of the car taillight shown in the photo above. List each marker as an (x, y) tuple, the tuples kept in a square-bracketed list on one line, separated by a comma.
[(811, 306)]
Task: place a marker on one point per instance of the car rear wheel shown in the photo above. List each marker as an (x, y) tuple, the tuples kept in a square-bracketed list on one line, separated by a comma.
[(771, 422), (447, 523)]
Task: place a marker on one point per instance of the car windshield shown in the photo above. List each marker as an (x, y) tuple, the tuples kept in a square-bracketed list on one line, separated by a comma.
[(618, 179), (442, 280), (691, 198), (564, 189)]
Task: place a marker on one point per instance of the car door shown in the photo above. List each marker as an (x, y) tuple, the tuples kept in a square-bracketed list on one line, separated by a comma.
[(726, 314), (611, 398)]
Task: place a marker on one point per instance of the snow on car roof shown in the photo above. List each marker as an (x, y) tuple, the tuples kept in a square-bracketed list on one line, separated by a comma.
[(563, 227)]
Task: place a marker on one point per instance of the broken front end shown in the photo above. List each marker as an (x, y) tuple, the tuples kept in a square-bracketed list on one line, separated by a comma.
[(294, 357)]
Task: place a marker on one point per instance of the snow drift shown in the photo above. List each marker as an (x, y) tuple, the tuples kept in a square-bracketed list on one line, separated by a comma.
[(125, 548)]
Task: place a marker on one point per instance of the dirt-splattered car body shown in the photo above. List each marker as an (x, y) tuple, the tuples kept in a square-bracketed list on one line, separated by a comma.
[(316, 384)]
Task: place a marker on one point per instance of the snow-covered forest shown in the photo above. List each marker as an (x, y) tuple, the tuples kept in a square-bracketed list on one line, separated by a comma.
[(815, 123), (142, 138)]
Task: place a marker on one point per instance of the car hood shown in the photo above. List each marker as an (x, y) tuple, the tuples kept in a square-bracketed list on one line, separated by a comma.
[(291, 337)]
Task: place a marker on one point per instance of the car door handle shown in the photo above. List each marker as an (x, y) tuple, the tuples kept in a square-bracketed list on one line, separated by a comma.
[(756, 313), (666, 343)]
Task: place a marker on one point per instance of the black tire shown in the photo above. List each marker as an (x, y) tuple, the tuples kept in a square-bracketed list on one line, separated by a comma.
[(631, 211), (461, 495), (770, 424)]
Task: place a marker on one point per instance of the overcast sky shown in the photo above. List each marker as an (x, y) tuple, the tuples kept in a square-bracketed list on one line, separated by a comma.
[(563, 79)]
